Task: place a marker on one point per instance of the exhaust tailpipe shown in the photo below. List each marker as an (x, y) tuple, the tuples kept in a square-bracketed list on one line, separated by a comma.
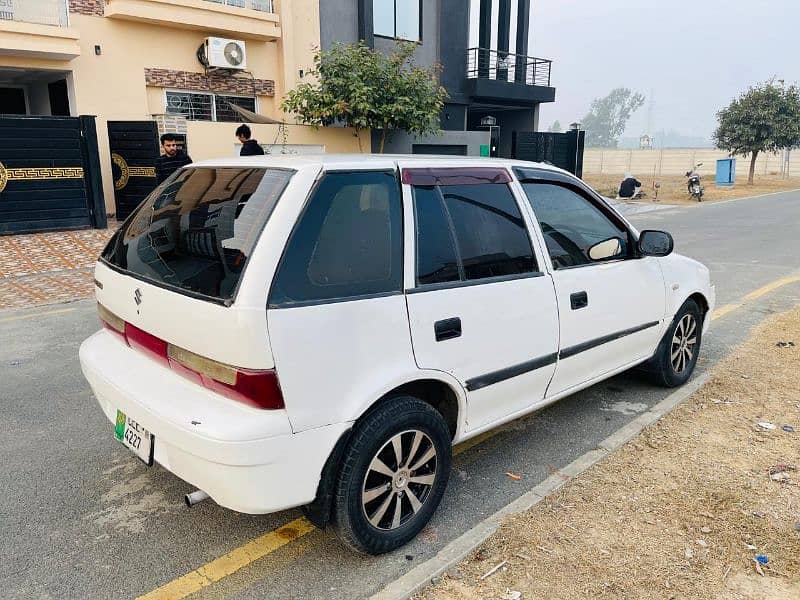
[(195, 497)]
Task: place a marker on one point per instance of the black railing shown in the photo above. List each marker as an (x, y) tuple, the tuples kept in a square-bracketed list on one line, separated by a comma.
[(483, 63)]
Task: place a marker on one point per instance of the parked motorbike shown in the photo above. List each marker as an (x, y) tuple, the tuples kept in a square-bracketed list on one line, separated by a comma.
[(693, 183)]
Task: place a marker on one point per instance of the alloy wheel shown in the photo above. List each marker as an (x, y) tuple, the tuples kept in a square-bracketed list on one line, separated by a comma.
[(399, 480), (684, 343)]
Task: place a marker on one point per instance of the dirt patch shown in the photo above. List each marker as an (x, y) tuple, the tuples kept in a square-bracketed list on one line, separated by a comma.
[(672, 188), (682, 511)]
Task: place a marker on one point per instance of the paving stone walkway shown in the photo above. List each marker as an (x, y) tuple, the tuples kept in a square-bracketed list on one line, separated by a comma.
[(46, 268)]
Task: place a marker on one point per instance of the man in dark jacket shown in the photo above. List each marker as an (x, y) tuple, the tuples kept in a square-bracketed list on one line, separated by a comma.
[(172, 159), (630, 187), (249, 147)]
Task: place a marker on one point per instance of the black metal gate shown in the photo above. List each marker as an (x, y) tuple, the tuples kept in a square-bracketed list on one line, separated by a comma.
[(49, 174), (134, 150), (564, 150)]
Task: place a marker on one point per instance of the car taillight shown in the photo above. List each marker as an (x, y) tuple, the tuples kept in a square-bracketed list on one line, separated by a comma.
[(256, 388), (260, 389), (111, 321)]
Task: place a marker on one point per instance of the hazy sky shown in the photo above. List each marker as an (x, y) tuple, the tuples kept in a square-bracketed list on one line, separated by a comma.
[(695, 56)]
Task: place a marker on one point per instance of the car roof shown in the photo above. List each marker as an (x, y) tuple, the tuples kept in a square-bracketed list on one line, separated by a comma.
[(338, 162)]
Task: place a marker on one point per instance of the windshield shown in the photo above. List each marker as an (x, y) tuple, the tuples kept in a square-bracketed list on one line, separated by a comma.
[(197, 230)]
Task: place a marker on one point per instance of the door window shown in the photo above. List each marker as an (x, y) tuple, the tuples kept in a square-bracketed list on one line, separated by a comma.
[(347, 244), (572, 224), (470, 232)]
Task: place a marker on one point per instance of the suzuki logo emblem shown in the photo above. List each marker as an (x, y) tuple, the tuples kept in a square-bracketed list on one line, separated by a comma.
[(137, 296)]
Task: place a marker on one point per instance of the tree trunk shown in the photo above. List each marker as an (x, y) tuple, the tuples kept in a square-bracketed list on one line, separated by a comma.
[(358, 137), (752, 168), (383, 139)]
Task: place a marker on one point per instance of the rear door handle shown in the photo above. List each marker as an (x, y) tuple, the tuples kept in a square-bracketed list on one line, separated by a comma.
[(447, 329), (579, 300)]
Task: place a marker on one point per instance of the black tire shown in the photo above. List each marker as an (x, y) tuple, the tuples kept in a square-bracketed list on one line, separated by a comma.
[(665, 367), (408, 419)]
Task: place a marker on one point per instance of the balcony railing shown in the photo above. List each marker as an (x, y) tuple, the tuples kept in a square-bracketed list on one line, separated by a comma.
[(259, 5), (483, 63), (42, 12)]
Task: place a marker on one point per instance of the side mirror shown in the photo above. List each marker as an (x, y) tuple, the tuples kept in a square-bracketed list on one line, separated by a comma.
[(606, 249), (655, 243)]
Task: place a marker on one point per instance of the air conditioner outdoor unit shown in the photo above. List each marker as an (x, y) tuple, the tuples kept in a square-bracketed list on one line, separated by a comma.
[(221, 53)]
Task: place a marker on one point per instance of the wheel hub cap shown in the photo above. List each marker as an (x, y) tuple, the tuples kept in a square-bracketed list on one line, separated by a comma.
[(399, 480), (684, 342)]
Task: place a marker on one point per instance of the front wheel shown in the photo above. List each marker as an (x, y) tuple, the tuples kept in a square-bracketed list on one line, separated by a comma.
[(394, 473), (676, 356)]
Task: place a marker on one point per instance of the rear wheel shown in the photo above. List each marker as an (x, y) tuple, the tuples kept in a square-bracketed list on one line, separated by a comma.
[(393, 475), (677, 353)]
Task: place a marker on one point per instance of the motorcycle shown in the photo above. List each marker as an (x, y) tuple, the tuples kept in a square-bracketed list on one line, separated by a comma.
[(693, 183)]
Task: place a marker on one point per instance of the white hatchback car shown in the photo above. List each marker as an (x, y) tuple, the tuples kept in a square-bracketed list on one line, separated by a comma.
[(318, 331)]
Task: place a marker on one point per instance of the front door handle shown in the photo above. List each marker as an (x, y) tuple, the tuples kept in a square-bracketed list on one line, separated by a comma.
[(447, 329), (579, 300)]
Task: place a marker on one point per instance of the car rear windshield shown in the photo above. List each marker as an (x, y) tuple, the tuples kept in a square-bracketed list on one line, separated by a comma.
[(196, 232)]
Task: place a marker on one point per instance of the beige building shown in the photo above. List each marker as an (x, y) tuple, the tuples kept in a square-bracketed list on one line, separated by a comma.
[(137, 60)]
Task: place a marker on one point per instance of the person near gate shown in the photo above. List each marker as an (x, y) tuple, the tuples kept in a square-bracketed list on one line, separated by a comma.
[(629, 187), (173, 158), (250, 147)]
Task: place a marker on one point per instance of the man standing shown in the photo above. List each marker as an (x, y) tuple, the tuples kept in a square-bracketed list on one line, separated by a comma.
[(172, 159), (249, 147)]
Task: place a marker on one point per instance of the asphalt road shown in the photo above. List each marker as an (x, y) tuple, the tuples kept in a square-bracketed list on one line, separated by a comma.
[(81, 517)]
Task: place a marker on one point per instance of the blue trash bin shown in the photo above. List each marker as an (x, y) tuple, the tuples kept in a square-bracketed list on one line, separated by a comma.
[(726, 172)]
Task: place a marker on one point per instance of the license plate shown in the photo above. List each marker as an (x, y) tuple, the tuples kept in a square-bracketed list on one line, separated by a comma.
[(134, 437)]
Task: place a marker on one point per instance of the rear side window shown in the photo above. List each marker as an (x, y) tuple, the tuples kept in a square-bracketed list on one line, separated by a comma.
[(470, 232), (347, 244), (196, 232)]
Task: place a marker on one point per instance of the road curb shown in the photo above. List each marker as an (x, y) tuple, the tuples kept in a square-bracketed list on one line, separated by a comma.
[(449, 556)]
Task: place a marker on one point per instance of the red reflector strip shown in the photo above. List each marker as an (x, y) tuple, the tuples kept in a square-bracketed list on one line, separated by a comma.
[(455, 176), (145, 342)]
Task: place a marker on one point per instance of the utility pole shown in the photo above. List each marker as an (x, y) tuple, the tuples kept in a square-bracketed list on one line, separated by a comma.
[(650, 106)]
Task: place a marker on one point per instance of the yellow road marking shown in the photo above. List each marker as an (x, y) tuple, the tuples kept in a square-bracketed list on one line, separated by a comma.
[(755, 294), (770, 287), (34, 315), (242, 556), (231, 562), (724, 310)]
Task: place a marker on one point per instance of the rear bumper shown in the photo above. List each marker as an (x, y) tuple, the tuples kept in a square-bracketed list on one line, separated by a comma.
[(246, 459)]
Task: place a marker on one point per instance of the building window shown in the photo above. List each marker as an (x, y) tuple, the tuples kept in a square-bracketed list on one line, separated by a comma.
[(397, 19), (197, 106)]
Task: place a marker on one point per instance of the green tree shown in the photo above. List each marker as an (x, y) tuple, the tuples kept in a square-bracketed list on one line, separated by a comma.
[(765, 118), (555, 127), (608, 117), (366, 89)]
